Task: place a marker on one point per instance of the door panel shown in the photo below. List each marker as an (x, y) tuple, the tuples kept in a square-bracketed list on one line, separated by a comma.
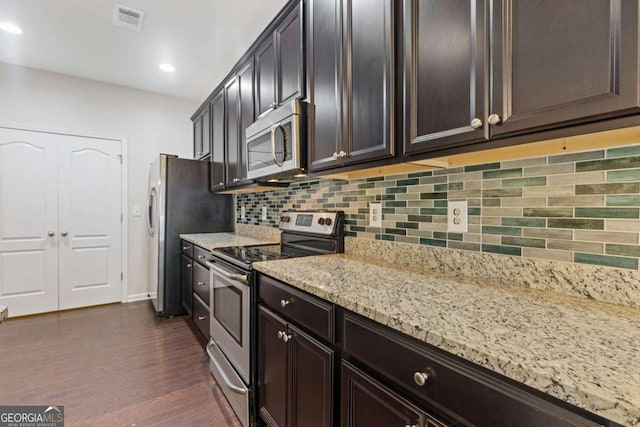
[(28, 212), (265, 77), (289, 42), (217, 142), (272, 369), (232, 134), (90, 215), (245, 79)]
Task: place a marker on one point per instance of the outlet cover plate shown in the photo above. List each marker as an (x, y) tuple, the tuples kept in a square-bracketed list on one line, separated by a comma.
[(264, 213), (243, 212), (457, 217), (375, 214)]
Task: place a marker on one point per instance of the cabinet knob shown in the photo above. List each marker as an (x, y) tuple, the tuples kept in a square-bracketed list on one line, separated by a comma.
[(286, 338), (202, 317), (284, 303), (335, 156), (189, 265), (493, 119), (221, 183), (201, 283), (476, 123), (201, 257), (420, 378), (236, 179), (412, 425), (342, 154), (51, 234), (185, 248)]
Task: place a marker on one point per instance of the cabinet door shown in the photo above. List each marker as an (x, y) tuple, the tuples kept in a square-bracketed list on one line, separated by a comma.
[(369, 78), (444, 59), (325, 83), (206, 134), (265, 60), (290, 68), (187, 283), (217, 142), (245, 82), (311, 378), (197, 138), (272, 369), (365, 403), (232, 110), (558, 62)]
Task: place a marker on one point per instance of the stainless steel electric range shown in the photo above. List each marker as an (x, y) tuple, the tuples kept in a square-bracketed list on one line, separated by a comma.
[(233, 298)]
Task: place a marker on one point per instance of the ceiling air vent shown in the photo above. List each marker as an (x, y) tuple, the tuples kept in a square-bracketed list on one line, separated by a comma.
[(127, 18)]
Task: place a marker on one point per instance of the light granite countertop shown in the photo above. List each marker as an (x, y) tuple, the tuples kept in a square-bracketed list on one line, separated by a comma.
[(584, 352), (211, 241)]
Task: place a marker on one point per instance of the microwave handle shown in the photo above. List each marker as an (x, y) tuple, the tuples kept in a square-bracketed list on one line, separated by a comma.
[(274, 128)]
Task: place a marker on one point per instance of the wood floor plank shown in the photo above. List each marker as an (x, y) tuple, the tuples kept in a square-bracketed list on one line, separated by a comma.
[(115, 365)]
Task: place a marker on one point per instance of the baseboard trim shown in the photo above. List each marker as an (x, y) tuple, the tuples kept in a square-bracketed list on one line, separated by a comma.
[(137, 297)]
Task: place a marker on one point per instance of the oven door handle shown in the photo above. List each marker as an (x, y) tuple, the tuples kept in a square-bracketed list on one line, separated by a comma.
[(226, 379), (274, 128), (233, 276)]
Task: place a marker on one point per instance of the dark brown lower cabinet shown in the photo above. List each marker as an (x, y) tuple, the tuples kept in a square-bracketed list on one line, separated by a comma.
[(295, 375), (367, 403)]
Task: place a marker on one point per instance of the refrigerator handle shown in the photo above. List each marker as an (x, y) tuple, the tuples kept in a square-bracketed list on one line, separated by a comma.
[(151, 211)]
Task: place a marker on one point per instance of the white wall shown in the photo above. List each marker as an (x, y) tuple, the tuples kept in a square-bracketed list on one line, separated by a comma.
[(151, 122)]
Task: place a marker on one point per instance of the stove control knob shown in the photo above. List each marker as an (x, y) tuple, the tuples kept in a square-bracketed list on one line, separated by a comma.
[(327, 221), (321, 221), (287, 219), (282, 219)]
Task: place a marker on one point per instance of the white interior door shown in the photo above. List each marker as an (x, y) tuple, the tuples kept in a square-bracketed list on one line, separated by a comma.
[(28, 221), (90, 221)]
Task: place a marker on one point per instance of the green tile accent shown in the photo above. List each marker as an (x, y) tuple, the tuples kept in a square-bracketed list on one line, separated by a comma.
[(502, 173), (430, 196), (491, 203), (419, 174), (548, 212), (420, 218), (474, 211), (414, 181), (440, 187), (440, 235), (574, 157), (538, 181), (609, 261), (581, 224), (433, 242), (455, 236), (433, 211), (504, 231), (621, 188), (366, 185), (397, 231), (396, 204), (482, 167), (385, 237), (503, 192), (524, 222), (626, 200), (505, 250), (447, 171), (466, 246), (628, 151), (597, 165), (623, 175), (455, 186), (523, 241), (375, 178), (385, 197), (389, 210), (396, 190), (626, 250), (413, 225), (607, 213), (440, 203)]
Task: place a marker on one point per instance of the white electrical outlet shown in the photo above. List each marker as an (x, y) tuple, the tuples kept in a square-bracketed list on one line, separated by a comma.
[(243, 212), (457, 217), (375, 214), (264, 213)]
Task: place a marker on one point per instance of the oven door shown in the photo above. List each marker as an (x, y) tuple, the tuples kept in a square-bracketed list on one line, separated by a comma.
[(230, 314)]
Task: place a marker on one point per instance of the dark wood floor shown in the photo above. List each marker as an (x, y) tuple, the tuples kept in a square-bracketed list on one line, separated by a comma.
[(113, 365)]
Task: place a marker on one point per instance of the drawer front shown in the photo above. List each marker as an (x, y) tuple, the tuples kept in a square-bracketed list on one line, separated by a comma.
[(187, 248), (201, 281), (201, 255), (201, 315), (304, 310), (461, 391)]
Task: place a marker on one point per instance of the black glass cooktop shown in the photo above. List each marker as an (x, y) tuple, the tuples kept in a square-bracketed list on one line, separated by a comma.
[(250, 254)]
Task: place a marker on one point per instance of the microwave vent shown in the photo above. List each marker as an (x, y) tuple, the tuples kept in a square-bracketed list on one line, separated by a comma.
[(127, 18)]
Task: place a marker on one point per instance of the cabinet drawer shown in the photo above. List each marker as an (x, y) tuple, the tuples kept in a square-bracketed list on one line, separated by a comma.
[(304, 310), (461, 391), (201, 315), (187, 248), (201, 281), (200, 255)]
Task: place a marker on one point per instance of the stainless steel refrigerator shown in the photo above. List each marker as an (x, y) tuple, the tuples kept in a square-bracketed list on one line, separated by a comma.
[(179, 202)]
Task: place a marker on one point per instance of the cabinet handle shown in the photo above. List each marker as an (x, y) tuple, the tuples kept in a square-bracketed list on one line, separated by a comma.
[(281, 334), (189, 265), (342, 154), (476, 123), (236, 179), (51, 234), (493, 119), (420, 378), (185, 248), (201, 283), (202, 317), (221, 183), (201, 257), (284, 303), (335, 156), (286, 338), (412, 425)]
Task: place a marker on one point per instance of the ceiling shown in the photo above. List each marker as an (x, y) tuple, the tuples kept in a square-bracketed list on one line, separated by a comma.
[(203, 39)]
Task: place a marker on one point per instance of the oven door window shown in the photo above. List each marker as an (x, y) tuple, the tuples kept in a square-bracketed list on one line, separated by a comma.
[(227, 310)]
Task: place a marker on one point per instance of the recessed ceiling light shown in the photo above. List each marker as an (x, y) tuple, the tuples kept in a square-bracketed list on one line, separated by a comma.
[(167, 68), (10, 28)]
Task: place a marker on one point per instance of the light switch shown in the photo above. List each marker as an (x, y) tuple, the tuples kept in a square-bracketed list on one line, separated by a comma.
[(137, 210)]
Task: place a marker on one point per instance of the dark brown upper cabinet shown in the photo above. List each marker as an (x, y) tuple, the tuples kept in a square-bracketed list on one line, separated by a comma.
[(552, 63), (351, 82), (217, 107), (201, 127), (279, 64)]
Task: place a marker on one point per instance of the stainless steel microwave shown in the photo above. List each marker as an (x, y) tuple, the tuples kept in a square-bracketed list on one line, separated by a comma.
[(274, 146)]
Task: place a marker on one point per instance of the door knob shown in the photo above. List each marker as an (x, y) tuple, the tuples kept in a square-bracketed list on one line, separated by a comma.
[(51, 234), (64, 234), (493, 119), (476, 123)]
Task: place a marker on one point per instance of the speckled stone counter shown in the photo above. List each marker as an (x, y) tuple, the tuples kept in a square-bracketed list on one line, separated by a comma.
[(211, 241), (584, 352)]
